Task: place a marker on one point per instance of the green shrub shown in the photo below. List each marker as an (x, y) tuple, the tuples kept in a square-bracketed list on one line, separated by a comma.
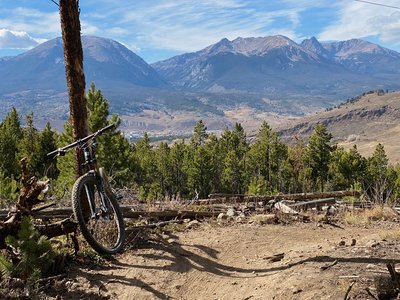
[(34, 253)]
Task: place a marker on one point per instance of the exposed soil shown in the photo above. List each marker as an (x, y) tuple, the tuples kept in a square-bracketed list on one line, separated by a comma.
[(241, 261)]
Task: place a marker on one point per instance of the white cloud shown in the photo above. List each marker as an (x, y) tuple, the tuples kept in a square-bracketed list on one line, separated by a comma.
[(16, 40), (361, 20), (25, 28), (189, 25), (34, 21)]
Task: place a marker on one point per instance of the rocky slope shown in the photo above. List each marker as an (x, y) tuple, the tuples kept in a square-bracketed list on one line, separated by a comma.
[(364, 121), (276, 67), (106, 62)]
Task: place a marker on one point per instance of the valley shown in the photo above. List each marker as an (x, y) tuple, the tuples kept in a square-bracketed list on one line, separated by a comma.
[(246, 80)]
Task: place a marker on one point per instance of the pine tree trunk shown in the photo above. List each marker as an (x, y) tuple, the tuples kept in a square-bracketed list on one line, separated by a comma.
[(73, 57)]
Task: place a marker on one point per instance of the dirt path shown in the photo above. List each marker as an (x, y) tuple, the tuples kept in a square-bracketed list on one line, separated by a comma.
[(244, 262)]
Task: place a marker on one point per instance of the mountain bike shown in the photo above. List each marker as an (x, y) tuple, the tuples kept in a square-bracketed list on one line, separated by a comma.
[(94, 204)]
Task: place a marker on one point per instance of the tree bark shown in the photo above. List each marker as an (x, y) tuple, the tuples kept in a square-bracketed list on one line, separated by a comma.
[(73, 57)]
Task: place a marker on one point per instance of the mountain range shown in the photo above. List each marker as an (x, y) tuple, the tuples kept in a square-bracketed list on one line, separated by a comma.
[(245, 80), (277, 67)]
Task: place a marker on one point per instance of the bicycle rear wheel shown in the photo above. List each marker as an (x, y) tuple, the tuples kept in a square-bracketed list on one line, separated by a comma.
[(103, 227)]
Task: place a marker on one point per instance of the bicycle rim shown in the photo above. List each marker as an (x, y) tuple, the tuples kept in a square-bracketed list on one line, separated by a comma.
[(103, 228)]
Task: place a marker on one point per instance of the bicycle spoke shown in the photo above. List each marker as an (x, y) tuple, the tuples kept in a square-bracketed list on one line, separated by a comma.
[(104, 228)]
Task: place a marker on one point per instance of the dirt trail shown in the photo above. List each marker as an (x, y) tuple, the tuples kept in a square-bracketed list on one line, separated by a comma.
[(244, 261)]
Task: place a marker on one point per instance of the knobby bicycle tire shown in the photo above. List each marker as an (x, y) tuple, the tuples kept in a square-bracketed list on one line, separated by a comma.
[(98, 230)]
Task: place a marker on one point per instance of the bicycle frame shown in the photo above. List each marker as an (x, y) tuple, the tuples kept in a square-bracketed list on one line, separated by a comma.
[(88, 144), (94, 205)]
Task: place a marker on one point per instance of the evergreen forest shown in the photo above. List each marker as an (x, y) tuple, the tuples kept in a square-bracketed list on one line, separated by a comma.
[(198, 166)]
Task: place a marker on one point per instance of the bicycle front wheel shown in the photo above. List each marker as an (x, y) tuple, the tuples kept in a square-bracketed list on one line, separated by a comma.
[(100, 220)]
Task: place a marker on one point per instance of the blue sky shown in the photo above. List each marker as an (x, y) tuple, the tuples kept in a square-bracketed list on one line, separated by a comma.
[(159, 29)]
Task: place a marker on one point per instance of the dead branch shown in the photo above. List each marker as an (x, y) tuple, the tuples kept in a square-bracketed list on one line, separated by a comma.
[(155, 225), (30, 191), (323, 268), (393, 274), (348, 290), (63, 227), (36, 209)]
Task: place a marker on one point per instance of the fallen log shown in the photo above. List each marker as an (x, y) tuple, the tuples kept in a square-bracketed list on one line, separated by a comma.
[(285, 209), (63, 227), (154, 225), (55, 213), (128, 212), (313, 203), (237, 198)]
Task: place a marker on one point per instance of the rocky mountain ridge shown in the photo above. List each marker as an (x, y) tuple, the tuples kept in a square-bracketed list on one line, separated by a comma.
[(245, 80), (254, 64), (364, 121)]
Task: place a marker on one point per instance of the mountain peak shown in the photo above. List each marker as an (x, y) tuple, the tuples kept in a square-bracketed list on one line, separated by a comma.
[(224, 45), (355, 46), (249, 46), (105, 62), (314, 46)]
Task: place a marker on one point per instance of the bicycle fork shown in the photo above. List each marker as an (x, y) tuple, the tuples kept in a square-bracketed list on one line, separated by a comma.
[(103, 210)]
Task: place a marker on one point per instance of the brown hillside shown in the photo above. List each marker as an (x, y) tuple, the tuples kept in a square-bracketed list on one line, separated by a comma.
[(367, 121)]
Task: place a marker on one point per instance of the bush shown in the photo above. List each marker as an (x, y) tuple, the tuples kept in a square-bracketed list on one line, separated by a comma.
[(31, 256), (8, 190)]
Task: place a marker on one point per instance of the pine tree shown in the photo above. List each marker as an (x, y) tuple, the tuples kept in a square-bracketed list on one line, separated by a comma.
[(65, 164), (178, 175), (146, 171), (47, 143), (113, 149), (115, 155), (200, 134), (317, 155), (258, 186), (198, 172), (235, 147), (29, 146), (233, 174), (10, 136), (338, 170), (267, 157), (217, 156), (377, 181), (350, 165), (295, 167), (98, 109), (36, 252), (164, 167)]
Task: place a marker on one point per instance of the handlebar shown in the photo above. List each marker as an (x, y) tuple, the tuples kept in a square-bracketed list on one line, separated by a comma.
[(63, 150)]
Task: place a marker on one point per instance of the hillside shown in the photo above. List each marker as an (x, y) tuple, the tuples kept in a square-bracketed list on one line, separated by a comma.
[(105, 61), (365, 121), (247, 80), (35, 82)]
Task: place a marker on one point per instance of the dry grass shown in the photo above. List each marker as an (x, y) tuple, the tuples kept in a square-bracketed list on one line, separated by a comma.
[(262, 219), (363, 217), (391, 235)]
